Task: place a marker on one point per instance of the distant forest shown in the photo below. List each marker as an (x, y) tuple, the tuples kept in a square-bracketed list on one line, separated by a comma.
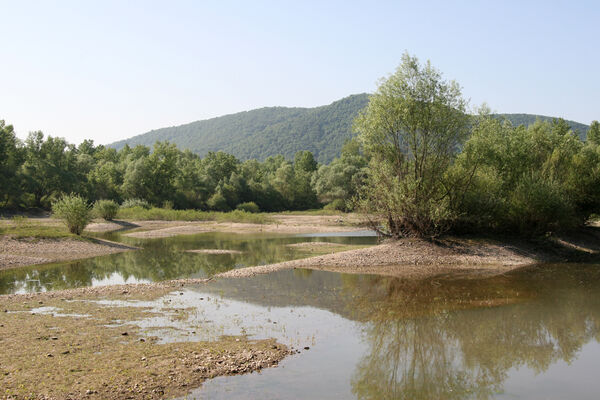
[(270, 131), (512, 177), (37, 171)]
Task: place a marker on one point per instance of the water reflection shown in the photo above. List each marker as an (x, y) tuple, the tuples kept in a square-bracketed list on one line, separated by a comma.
[(421, 347), (440, 338), (161, 259)]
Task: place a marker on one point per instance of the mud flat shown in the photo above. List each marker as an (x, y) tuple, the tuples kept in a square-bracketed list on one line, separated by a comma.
[(84, 343)]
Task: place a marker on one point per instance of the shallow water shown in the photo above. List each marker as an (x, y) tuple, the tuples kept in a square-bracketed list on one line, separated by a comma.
[(532, 333), (164, 259)]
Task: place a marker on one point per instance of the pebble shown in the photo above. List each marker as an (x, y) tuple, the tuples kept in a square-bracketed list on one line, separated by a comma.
[(306, 348)]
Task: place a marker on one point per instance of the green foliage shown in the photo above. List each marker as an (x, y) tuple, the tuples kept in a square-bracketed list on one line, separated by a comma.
[(218, 202), (412, 129), (527, 180), (594, 133), (106, 209), (526, 120), (266, 132), (161, 214), (11, 157), (341, 180), (250, 207), (74, 211), (130, 203), (337, 204)]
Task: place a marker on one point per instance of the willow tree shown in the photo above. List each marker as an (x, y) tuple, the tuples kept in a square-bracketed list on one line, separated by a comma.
[(412, 128)]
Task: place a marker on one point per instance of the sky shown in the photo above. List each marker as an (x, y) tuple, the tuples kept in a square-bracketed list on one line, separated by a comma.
[(108, 70)]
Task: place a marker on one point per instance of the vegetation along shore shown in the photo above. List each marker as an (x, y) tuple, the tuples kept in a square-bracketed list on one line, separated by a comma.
[(448, 191)]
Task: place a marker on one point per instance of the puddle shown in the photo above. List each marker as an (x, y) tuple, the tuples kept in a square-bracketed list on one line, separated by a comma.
[(55, 312)]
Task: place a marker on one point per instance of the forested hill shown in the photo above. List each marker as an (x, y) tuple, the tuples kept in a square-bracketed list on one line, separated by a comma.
[(266, 131), (270, 131), (528, 119)]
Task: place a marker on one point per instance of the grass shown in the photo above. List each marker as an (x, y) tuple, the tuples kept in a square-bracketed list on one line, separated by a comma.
[(162, 214), (21, 227), (317, 212)]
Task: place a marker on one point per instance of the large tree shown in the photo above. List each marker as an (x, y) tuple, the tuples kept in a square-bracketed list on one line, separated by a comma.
[(412, 128)]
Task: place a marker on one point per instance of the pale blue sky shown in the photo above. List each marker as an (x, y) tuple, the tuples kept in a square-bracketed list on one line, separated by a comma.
[(108, 70)]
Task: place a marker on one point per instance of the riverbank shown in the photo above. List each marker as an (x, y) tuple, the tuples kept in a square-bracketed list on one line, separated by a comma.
[(418, 258), (44, 240), (18, 252), (86, 344)]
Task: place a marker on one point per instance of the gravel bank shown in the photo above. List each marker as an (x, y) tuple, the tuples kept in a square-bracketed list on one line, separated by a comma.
[(22, 252), (409, 257)]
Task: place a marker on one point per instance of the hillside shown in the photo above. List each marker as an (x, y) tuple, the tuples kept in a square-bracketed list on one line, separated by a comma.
[(269, 131), (266, 131), (528, 119)]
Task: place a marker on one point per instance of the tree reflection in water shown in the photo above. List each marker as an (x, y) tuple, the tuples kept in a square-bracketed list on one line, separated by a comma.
[(428, 341)]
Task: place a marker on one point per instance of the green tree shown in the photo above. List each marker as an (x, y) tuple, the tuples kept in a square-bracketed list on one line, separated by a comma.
[(412, 129), (11, 157), (341, 180), (594, 133)]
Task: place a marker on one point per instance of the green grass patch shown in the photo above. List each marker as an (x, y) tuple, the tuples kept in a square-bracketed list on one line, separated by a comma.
[(23, 228), (162, 214), (320, 211)]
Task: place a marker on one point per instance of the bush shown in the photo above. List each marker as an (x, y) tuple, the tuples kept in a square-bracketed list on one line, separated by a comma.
[(106, 209), (130, 203), (218, 202), (74, 210), (250, 207), (337, 204)]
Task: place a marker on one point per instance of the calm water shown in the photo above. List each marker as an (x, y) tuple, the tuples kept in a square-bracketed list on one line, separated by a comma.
[(165, 259), (533, 333)]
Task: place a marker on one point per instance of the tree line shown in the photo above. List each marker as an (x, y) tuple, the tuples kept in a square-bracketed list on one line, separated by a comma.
[(422, 163), (37, 171)]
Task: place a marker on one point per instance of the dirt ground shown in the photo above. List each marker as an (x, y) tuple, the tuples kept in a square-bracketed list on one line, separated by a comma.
[(285, 224), (21, 252), (80, 348), (409, 258)]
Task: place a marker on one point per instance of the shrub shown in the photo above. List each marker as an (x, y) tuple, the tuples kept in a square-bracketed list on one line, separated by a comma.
[(130, 203), (337, 204), (218, 202), (74, 211), (250, 207), (106, 209)]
